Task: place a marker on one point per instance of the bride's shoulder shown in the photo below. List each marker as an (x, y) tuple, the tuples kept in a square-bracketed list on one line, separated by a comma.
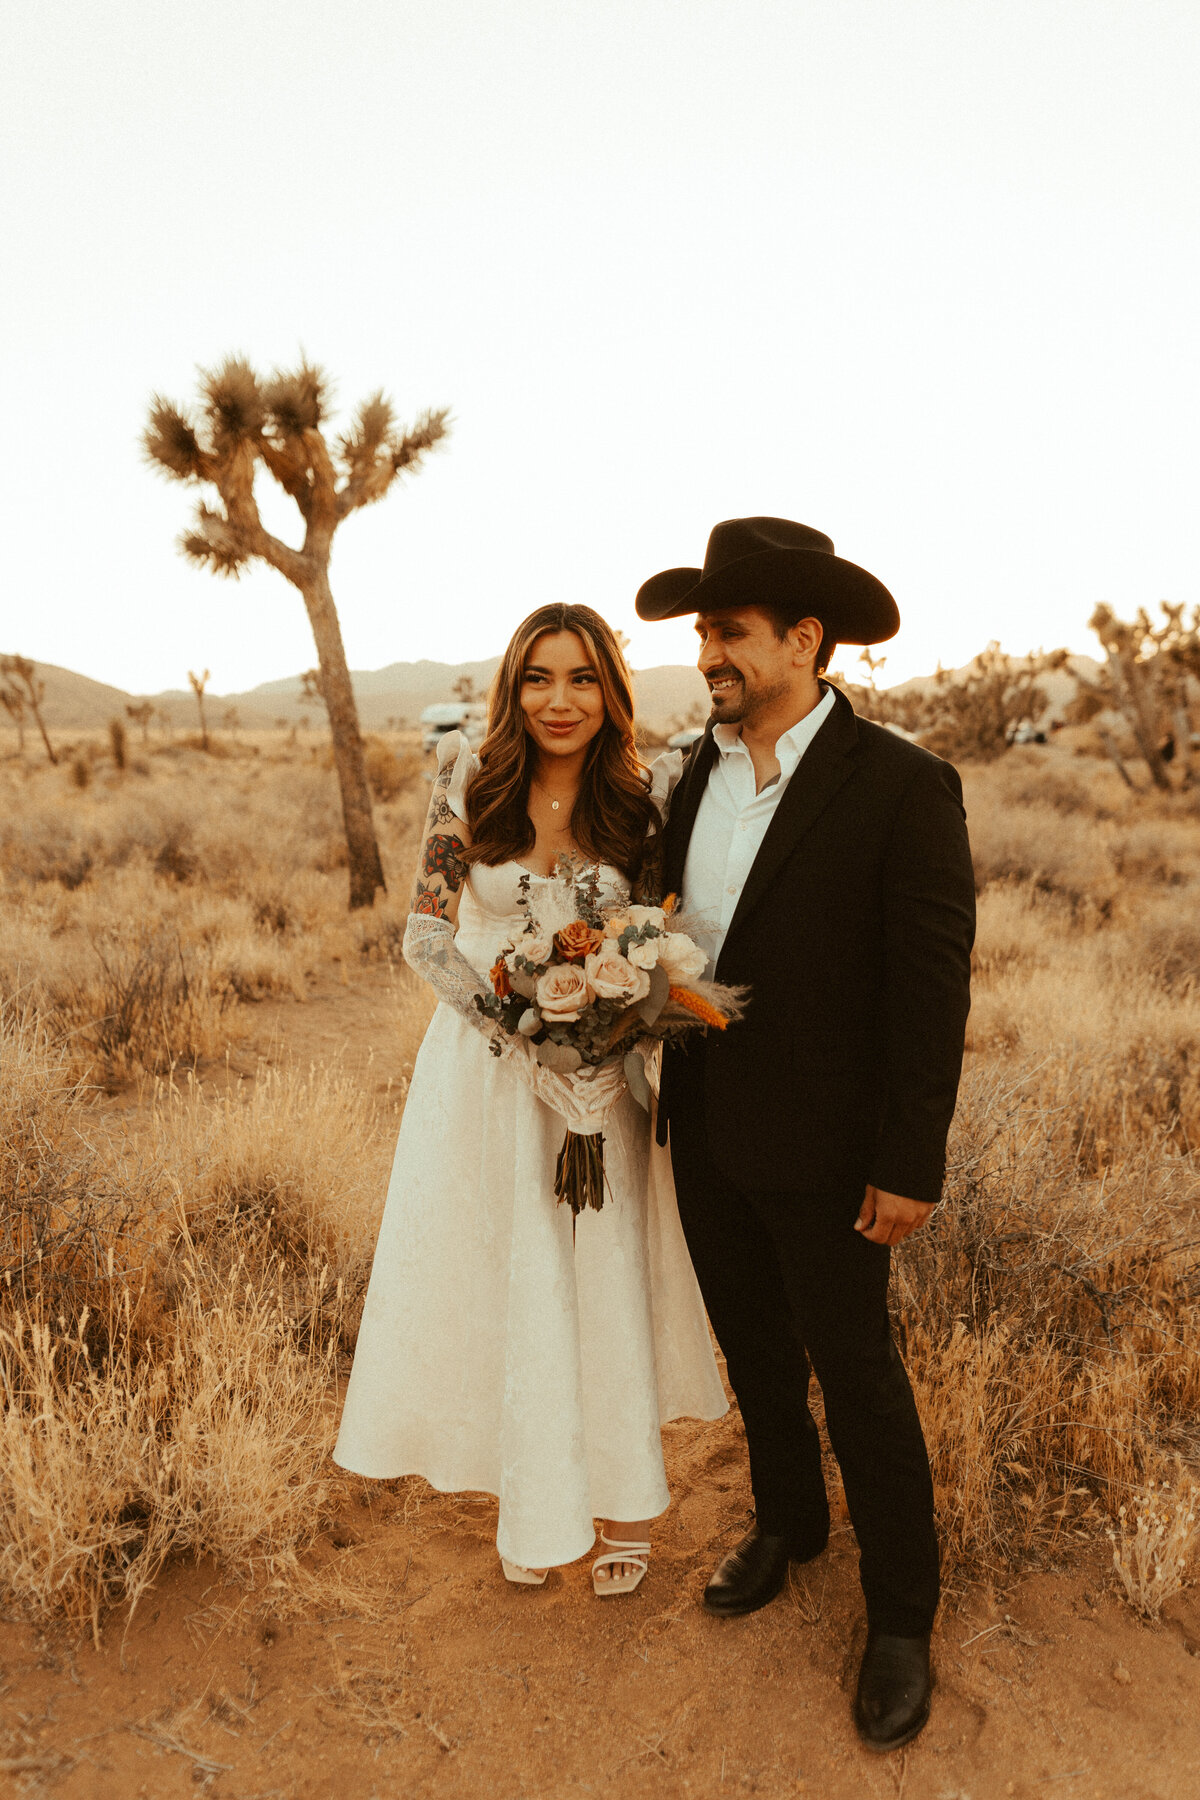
[(664, 773), (456, 762)]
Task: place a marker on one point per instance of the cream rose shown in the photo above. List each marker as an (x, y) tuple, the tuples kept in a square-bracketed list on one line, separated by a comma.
[(533, 949), (562, 993), (615, 926), (683, 959), (644, 956), (611, 976), (646, 915)]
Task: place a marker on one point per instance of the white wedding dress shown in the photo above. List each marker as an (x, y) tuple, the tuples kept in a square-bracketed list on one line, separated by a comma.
[(500, 1352)]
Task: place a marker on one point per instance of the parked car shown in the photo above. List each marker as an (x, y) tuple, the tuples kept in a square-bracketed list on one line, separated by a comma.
[(469, 717)]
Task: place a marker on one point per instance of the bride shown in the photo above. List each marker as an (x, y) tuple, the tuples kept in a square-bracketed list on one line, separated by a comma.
[(501, 1350)]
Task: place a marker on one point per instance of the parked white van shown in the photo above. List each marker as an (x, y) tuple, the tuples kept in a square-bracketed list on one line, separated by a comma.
[(469, 717)]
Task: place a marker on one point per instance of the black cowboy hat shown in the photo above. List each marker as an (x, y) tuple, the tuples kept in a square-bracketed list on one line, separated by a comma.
[(761, 562)]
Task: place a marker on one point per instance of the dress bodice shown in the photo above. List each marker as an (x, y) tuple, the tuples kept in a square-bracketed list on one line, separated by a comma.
[(491, 915)]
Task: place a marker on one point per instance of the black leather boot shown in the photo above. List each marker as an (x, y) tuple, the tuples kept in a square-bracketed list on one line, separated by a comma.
[(894, 1685), (753, 1572)]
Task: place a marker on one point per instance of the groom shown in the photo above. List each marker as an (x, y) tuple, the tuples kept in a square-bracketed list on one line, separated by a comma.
[(829, 860)]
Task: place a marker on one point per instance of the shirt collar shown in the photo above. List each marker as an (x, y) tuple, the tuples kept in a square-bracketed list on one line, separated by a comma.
[(791, 746)]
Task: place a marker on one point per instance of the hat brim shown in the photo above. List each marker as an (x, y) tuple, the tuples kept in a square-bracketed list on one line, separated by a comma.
[(851, 604)]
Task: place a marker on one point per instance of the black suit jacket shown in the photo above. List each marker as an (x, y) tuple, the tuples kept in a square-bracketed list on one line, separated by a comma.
[(853, 933)]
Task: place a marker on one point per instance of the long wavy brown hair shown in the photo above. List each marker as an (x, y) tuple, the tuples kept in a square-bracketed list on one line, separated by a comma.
[(614, 819)]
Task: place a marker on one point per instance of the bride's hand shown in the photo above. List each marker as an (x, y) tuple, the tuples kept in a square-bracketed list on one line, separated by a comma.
[(583, 1099)]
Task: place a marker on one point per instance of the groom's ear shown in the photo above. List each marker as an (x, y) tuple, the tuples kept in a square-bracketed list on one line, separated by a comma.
[(805, 639)]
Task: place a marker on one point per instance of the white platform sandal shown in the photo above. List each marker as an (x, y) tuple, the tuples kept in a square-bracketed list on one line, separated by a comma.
[(522, 1577), (618, 1552)]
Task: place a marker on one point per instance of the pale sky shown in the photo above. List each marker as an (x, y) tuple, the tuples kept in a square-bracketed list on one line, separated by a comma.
[(921, 273)]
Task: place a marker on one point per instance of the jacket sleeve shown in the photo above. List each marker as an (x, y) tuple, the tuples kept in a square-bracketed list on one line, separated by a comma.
[(929, 928)]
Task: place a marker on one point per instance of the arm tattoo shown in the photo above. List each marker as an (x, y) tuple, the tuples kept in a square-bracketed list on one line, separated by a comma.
[(429, 901), (443, 777), (443, 856), (440, 811)]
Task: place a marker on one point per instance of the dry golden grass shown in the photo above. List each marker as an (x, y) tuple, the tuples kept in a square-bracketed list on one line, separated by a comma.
[(169, 1357)]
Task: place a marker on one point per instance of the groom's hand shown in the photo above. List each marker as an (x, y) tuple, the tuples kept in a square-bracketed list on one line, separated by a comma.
[(888, 1218)]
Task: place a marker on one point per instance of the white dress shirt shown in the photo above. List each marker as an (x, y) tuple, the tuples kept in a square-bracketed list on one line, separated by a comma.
[(731, 823)]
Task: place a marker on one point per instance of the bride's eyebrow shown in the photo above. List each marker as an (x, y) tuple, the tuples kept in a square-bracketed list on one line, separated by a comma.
[(540, 669)]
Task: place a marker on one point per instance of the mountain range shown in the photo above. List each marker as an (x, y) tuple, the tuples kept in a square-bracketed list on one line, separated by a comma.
[(386, 697), (668, 696)]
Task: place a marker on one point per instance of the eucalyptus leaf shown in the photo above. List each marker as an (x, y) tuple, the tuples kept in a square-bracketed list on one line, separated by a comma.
[(561, 1059), (522, 984), (635, 1075), (656, 999)]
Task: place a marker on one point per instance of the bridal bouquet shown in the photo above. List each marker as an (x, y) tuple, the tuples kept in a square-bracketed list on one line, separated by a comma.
[(582, 981)]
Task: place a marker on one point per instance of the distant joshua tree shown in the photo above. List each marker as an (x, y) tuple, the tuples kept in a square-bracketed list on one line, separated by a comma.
[(199, 683), (464, 689), (19, 680), (141, 712), (14, 705), (312, 687), (244, 421), (1150, 675), (873, 665)]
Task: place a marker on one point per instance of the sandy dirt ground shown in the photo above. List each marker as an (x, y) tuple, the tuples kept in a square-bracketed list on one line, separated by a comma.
[(431, 1676)]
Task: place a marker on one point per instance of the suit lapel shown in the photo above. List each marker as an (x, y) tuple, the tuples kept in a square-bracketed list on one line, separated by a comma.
[(828, 762), (685, 804)]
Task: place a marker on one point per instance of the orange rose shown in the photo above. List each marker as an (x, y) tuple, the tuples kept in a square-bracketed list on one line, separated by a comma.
[(499, 976), (576, 941)]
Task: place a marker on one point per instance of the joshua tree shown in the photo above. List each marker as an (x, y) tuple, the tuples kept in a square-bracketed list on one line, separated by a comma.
[(244, 421), (873, 666), (1150, 676), (312, 687), (199, 683), (14, 706), (141, 712), (464, 689), (17, 677)]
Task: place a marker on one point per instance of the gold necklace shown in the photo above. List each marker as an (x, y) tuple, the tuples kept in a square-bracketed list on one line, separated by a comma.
[(554, 804)]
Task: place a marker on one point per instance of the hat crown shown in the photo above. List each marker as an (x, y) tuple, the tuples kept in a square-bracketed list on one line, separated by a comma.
[(734, 539)]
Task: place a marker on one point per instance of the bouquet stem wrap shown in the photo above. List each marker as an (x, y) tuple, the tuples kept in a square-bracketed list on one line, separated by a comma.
[(579, 1172)]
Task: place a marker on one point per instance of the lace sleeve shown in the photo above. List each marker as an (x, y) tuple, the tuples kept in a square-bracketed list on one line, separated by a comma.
[(430, 951)]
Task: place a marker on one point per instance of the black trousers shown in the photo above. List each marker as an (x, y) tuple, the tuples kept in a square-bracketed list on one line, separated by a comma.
[(792, 1289)]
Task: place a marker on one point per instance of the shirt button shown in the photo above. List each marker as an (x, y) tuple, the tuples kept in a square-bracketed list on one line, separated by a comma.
[(731, 890)]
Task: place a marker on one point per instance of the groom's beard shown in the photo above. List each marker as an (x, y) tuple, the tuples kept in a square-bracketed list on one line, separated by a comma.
[(741, 701)]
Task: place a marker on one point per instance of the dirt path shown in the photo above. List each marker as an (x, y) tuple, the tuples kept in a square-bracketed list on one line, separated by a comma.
[(460, 1685), (440, 1679)]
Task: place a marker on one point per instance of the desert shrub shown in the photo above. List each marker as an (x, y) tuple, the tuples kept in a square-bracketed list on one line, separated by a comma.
[(146, 1005), (272, 1154), (121, 1444), (1048, 1318), (388, 773), (1164, 944), (174, 858), (47, 848), (69, 1224)]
